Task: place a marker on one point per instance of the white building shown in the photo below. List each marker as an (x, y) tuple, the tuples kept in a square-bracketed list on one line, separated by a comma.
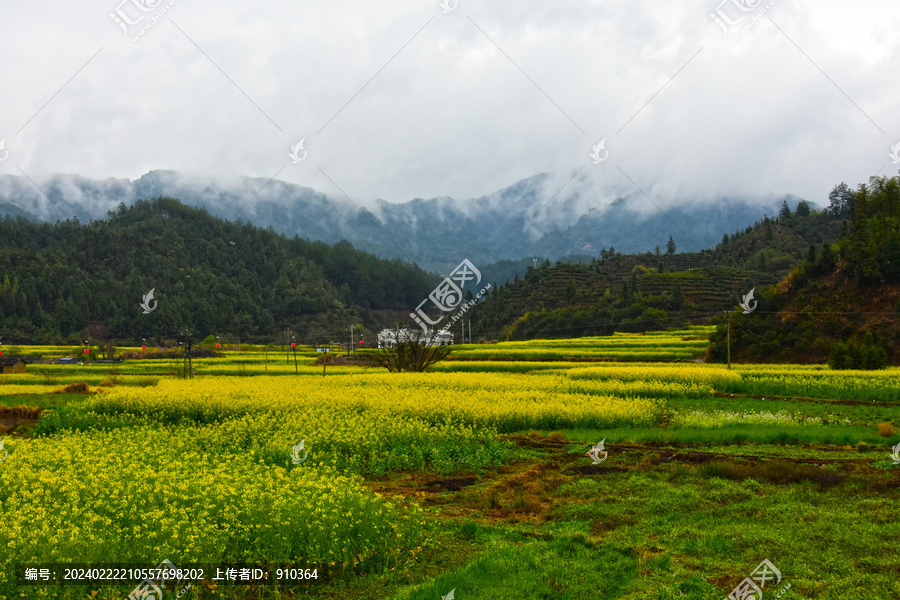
[(387, 338)]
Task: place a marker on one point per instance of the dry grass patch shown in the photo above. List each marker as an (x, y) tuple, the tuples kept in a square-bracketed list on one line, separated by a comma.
[(74, 388)]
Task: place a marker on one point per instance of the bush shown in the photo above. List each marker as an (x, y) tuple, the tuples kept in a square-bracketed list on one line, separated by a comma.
[(866, 356)]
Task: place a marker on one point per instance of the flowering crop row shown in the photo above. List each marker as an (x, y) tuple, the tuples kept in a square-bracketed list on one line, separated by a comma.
[(141, 494), (484, 400), (714, 377)]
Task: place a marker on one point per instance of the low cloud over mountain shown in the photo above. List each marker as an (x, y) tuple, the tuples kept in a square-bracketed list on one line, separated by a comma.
[(530, 217)]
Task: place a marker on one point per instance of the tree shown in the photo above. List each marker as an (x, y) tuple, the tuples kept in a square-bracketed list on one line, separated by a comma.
[(811, 254), (827, 260), (411, 350), (839, 356), (867, 355), (670, 246), (803, 209), (785, 213), (841, 197), (677, 295), (733, 299), (571, 290)]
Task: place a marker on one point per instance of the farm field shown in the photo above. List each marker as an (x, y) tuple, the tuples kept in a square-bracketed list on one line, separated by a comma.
[(472, 477)]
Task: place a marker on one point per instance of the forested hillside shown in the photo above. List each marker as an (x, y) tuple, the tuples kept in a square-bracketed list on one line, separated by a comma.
[(842, 303), (653, 290), (67, 280)]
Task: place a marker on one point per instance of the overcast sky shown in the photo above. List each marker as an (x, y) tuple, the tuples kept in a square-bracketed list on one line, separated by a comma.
[(399, 99)]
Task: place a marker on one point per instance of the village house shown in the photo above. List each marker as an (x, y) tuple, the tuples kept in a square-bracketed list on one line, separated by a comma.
[(13, 364), (387, 338)]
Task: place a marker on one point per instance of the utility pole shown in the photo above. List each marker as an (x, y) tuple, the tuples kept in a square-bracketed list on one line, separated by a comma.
[(294, 348), (350, 343), (470, 331), (287, 341), (188, 362), (729, 340)]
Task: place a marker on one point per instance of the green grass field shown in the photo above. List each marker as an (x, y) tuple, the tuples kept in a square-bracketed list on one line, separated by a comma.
[(471, 478)]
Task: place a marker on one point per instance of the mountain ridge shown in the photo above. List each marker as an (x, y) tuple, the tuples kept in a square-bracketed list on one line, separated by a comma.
[(435, 233)]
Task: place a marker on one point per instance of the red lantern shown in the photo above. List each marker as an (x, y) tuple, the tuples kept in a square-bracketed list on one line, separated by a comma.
[(217, 345), (360, 342), (143, 347), (86, 351), (1, 352), (293, 345)]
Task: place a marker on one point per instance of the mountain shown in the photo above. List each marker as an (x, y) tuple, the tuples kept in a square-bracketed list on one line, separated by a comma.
[(654, 290), (526, 218), (65, 281), (841, 304)]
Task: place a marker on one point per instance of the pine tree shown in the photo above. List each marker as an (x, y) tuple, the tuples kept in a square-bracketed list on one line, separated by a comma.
[(670, 246), (785, 213)]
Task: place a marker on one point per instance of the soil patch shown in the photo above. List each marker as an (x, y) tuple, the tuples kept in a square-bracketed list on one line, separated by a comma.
[(449, 485), (598, 470)]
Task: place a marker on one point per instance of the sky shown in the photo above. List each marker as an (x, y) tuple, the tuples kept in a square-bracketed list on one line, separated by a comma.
[(401, 99)]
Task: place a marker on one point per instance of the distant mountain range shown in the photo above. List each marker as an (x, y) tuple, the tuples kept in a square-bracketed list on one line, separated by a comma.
[(436, 233)]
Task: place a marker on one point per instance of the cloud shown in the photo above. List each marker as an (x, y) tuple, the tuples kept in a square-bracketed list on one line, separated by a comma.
[(396, 100)]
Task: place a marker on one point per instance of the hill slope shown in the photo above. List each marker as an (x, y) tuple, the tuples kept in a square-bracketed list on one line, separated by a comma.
[(650, 291), (64, 281), (842, 303)]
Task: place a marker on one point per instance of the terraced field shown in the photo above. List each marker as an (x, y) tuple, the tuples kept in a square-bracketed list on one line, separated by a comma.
[(472, 478)]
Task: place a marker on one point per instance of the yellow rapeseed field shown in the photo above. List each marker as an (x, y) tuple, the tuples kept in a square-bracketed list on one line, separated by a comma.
[(143, 494), (715, 376), (494, 400)]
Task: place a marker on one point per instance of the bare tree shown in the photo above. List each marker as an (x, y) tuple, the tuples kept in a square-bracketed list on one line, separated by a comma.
[(401, 349)]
